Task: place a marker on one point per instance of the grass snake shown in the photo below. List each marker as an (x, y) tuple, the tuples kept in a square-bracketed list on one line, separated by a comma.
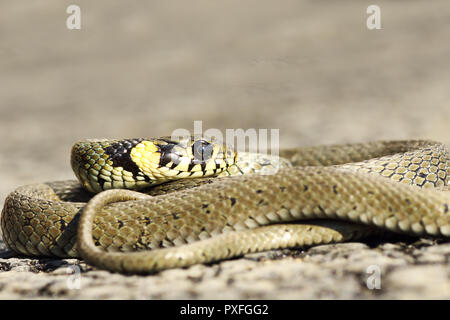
[(238, 202)]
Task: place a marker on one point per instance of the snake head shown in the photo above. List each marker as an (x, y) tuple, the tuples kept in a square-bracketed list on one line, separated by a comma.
[(140, 163)]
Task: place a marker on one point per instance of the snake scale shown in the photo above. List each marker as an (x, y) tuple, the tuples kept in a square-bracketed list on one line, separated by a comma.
[(318, 195)]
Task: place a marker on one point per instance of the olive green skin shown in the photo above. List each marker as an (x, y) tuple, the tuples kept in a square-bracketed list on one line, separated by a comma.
[(354, 190)]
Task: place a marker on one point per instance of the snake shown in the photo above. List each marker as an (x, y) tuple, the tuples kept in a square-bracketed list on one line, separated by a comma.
[(149, 204)]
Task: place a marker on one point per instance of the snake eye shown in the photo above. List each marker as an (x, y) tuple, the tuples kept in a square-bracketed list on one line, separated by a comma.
[(202, 150)]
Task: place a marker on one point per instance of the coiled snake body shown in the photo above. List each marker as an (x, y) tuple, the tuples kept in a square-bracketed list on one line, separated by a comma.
[(324, 194)]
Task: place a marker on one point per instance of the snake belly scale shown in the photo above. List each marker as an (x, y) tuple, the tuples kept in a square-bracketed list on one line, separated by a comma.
[(237, 204)]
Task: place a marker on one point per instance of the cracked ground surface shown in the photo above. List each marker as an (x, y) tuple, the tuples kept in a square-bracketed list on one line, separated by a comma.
[(413, 270)]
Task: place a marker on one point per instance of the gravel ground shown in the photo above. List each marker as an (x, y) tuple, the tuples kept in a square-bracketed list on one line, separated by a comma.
[(308, 68)]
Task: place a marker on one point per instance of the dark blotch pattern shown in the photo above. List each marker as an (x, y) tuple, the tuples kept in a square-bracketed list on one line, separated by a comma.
[(119, 154), (168, 156), (335, 189)]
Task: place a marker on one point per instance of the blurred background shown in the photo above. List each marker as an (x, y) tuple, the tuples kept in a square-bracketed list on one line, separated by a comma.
[(142, 69)]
